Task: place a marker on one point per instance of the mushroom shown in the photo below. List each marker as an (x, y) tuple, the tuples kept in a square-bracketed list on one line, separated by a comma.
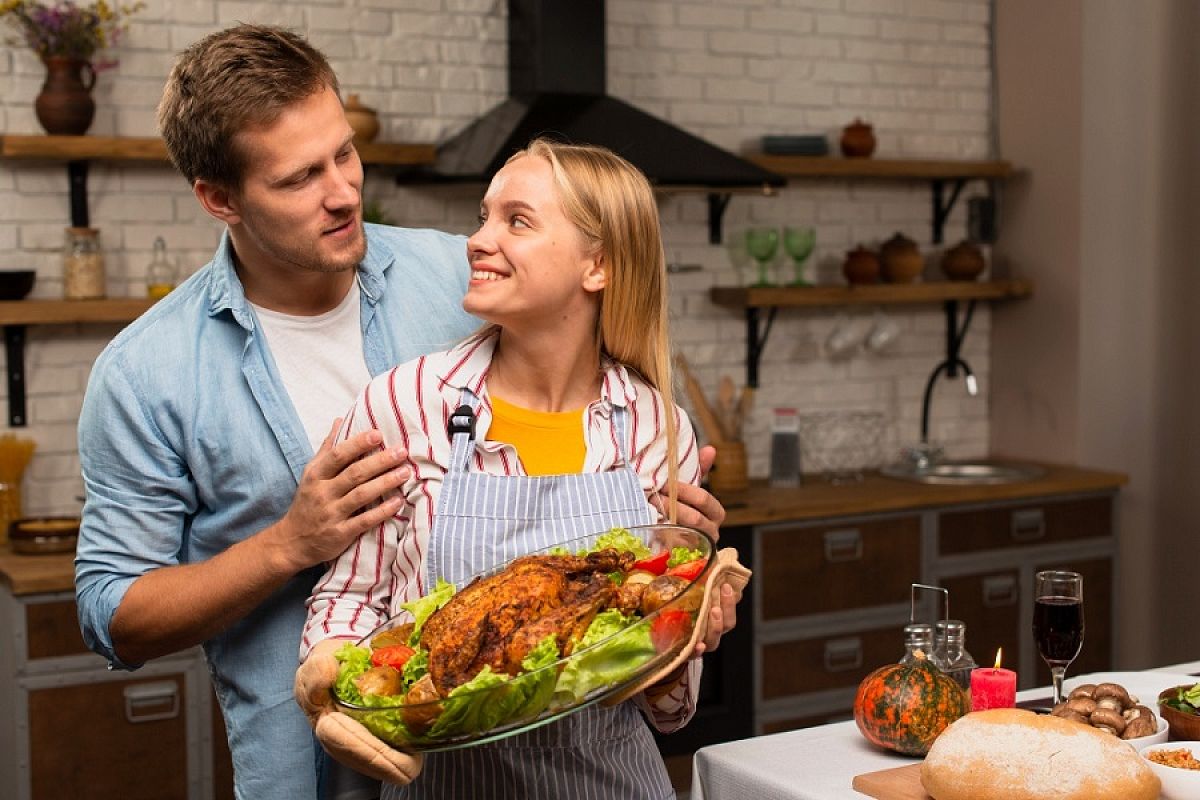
[(1108, 719), (1073, 716), (1082, 690), (1139, 721), (1082, 705), (1114, 690)]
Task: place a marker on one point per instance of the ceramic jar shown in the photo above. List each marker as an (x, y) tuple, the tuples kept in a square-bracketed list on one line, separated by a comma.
[(861, 266), (363, 120), (901, 259), (858, 140), (963, 262), (65, 106)]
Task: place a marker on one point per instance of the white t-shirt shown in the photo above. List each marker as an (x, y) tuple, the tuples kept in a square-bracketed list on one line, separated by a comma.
[(320, 360)]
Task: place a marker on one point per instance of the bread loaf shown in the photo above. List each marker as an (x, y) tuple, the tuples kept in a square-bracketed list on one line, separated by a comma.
[(1007, 754)]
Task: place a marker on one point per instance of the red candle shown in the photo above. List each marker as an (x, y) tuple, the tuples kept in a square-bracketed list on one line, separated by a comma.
[(993, 687)]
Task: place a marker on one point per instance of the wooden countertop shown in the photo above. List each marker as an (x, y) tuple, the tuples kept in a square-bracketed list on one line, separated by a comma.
[(54, 572), (816, 499)]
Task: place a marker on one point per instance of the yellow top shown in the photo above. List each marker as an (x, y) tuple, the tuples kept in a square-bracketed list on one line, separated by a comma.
[(548, 442)]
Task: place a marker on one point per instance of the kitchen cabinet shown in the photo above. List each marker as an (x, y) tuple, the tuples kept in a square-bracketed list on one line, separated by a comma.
[(831, 594), (70, 727)]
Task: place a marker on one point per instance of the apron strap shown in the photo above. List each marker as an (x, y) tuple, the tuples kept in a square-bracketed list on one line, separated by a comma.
[(461, 429)]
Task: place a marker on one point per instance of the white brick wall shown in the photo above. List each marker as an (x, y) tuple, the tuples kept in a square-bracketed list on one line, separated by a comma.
[(728, 70)]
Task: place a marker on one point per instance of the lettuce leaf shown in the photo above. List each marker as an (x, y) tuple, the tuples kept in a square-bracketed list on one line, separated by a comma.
[(353, 661), (619, 539), (423, 607), (682, 555), (609, 663)]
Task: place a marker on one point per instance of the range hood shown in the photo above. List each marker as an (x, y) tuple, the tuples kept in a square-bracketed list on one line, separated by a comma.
[(556, 80)]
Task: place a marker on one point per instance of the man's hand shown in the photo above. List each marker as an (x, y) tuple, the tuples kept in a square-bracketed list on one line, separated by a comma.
[(342, 737), (697, 508), (346, 490)]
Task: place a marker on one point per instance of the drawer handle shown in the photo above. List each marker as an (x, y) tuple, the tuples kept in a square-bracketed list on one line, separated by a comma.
[(843, 655), (999, 591), (1028, 524), (844, 545), (148, 702)]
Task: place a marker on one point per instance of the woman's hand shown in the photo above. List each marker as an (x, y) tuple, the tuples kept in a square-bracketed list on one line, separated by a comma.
[(722, 616), (697, 508)]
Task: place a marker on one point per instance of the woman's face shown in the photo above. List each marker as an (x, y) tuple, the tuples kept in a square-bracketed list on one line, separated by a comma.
[(530, 265)]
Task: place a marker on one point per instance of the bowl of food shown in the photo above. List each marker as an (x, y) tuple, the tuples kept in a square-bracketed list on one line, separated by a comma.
[(1180, 705), (529, 641), (1177, 765)]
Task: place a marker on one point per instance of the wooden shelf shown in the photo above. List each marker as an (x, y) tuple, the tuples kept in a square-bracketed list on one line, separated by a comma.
[(15, 315), (125, 148), (752, 300), (881, 168), (65, 312), (874, 294)]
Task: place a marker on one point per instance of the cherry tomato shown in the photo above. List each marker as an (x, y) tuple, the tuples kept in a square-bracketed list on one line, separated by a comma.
[(688, 570), (394, 655), (669, 629), (654, 564)]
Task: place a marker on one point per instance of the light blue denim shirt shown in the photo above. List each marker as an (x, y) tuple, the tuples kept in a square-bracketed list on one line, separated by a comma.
[(189, 444)]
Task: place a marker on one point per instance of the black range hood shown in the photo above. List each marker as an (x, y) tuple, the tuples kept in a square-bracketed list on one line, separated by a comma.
[(556, 78)]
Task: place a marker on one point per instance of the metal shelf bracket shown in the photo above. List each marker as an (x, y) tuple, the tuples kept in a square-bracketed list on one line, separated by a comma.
[(716, 214), (941, 211), (14, 350), (77, 175), (756, 341)]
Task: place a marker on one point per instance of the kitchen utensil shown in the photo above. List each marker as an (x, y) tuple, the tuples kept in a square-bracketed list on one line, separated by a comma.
[(785, 449), (730, 471), (963, 262), (901, 260), (883, 333), (861, 266), (15, 284), (842, 341), (708, 417), (898, 783)]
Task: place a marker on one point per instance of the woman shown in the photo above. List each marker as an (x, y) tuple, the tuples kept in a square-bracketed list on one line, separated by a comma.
[(569, 387)]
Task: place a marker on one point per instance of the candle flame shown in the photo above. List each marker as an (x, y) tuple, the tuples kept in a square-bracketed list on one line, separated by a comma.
[(999, 650)]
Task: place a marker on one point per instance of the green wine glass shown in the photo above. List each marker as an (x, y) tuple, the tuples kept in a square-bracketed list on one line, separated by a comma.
[(799, 244), (762, 244)]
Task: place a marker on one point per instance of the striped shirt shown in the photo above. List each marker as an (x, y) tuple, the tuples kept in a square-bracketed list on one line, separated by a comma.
[(410, 406)]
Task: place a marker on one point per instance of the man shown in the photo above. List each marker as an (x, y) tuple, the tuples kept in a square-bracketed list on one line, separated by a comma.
[(214, 490)]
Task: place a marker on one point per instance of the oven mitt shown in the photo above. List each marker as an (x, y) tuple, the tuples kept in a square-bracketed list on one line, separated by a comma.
[(346, 739), (726, 570)]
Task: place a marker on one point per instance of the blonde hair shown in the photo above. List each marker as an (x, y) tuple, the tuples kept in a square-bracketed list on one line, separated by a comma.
[(612, 204)]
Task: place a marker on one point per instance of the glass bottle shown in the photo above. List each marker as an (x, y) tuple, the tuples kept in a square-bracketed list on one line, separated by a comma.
[(918, 638), (83, 265), (160, 275), (952, 656)]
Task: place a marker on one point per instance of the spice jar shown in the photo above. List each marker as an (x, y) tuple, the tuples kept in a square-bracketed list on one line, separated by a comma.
[(83, 265), (160, 275)]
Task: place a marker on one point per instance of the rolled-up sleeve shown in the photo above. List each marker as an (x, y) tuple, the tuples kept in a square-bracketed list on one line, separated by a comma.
[(139, 497)]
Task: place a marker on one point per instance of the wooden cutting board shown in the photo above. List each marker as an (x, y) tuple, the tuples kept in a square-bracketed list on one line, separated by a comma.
[(898, 783)]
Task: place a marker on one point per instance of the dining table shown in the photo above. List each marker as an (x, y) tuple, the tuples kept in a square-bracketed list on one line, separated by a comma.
[(821, 762)]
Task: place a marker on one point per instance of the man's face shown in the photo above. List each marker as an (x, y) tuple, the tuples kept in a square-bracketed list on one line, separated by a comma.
[(299, 206)]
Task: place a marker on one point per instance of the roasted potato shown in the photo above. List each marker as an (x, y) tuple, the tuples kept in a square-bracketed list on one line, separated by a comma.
[(380, 681), (420, 709), (661, 591)]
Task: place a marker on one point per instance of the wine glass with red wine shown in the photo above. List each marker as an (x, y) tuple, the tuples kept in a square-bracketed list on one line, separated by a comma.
[(1058, 621)]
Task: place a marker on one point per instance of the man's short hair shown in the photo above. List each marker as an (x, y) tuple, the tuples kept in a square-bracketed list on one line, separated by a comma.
[(230, 81)]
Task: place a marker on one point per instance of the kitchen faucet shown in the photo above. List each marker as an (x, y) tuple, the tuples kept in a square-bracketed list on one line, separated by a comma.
[(950, 366)]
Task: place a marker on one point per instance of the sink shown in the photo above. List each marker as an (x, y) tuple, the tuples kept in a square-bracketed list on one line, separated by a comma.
[(959, 473)]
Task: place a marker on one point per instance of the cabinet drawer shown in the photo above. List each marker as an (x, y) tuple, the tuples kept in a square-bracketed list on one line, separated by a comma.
[(52, 630), (124, 739), (990, 605), (838, 567), (1024, 525), (837, 661)]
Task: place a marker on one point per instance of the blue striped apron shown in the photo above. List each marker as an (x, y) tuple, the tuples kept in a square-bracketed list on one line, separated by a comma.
[(483, 520)]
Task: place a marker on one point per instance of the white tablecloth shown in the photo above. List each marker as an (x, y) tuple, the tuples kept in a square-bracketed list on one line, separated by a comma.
[(819, 763)]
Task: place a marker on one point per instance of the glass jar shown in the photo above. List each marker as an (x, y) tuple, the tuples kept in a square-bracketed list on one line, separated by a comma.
[(160, 275), (83, 265), (10, 507), (918, 642), (952, 658)]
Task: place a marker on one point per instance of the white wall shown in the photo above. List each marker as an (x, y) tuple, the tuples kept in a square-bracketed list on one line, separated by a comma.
[(1099, 98), (729, 70)]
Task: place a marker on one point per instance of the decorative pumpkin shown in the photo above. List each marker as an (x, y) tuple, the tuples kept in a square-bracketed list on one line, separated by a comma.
[(904, 707)]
